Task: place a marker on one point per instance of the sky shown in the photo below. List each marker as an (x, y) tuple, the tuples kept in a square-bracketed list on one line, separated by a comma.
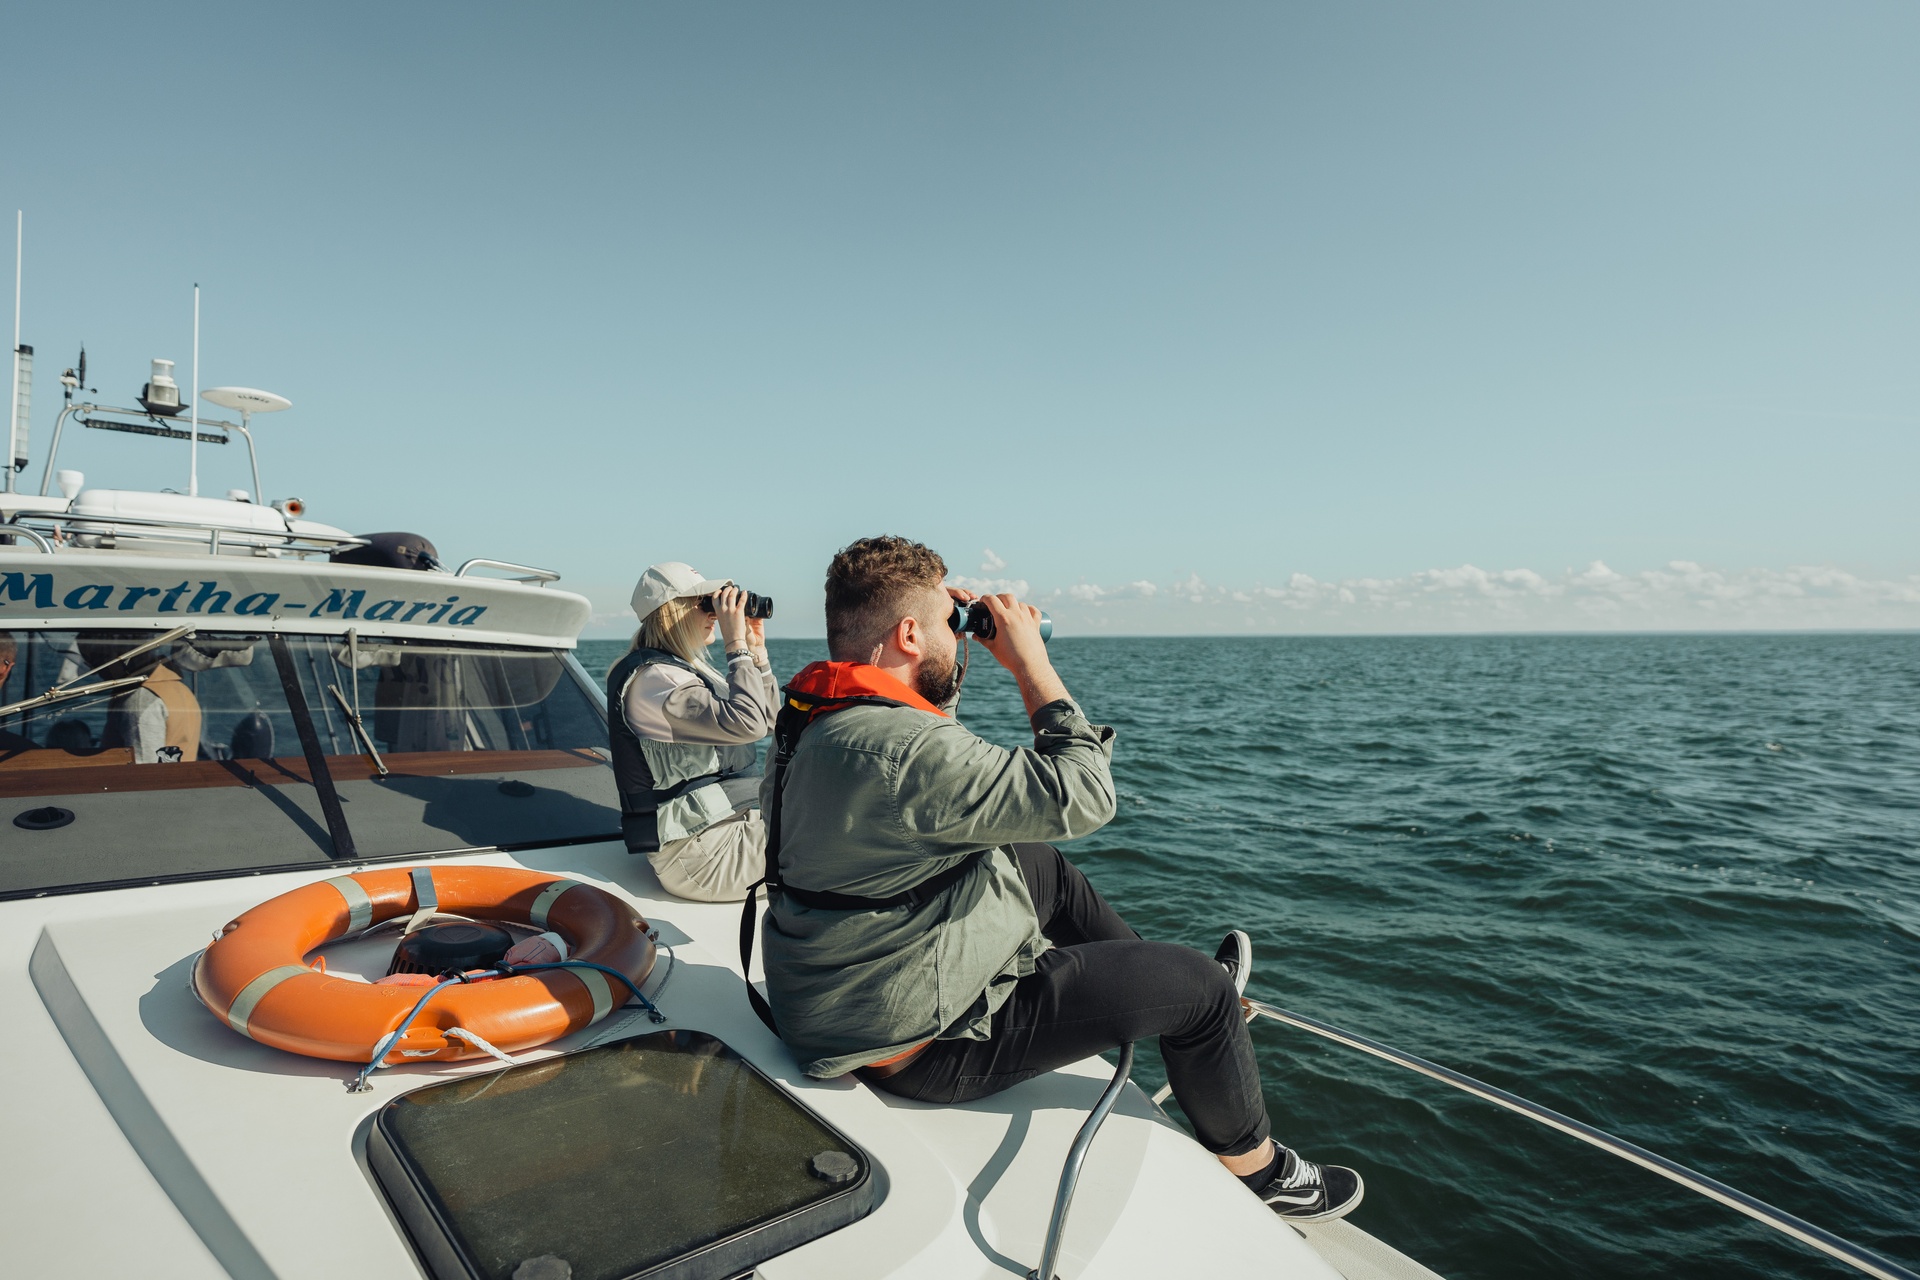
[(1199, 318)]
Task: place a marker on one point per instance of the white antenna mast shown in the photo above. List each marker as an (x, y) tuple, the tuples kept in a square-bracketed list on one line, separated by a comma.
[(13, 395), (193, 423)]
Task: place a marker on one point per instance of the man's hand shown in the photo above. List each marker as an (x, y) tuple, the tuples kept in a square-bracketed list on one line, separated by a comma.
[(1017, 646), (730, 610)]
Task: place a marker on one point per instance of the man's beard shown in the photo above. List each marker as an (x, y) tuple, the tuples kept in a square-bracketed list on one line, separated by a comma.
[(939, 685)]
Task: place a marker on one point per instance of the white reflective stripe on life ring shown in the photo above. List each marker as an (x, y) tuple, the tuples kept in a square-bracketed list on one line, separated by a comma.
[(596, 984), (250, 995), (544, 903), (359, 905), (424, 896)]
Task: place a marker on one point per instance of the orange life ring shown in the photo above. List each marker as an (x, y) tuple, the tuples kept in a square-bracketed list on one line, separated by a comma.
[(255, 976)]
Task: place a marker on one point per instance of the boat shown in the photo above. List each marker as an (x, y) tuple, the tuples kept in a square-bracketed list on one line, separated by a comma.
[(219, 702)]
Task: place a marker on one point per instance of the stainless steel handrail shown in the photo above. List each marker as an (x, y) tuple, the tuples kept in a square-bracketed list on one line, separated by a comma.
[(253, 459), (101, 525), (78, 412), (1759, 1210), (21, 531), (1076, 1157), (46, 472), (531, 574)]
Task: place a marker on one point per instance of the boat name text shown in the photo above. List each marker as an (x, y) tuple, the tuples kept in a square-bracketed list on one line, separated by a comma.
[(207, 598)]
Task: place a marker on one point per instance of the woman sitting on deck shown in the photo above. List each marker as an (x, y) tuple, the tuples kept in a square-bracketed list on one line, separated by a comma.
[(683, 735)]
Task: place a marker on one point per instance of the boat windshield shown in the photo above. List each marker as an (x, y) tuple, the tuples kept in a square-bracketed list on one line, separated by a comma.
[(224, 753)]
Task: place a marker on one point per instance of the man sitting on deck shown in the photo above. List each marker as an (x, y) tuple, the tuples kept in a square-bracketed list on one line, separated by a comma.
[(923, 937)]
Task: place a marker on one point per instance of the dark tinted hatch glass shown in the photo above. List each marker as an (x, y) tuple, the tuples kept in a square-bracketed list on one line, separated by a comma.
[(662, 1155)]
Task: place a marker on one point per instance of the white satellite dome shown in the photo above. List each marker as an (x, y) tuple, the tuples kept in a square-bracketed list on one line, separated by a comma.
[(246, 399)]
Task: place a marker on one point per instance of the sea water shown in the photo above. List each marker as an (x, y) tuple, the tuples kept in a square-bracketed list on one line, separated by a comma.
[(1668, 885)]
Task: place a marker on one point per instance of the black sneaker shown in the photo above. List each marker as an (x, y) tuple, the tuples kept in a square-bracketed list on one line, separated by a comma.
[(1236, 957), (1303, 1191)]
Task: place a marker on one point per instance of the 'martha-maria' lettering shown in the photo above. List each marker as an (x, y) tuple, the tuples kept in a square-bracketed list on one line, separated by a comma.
[(38, 592)]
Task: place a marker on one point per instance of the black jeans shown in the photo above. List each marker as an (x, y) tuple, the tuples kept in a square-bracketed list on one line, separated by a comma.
[(1098, 988)]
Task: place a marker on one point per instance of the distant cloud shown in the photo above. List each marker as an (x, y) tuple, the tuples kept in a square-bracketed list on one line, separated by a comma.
[(985, 586), (1679, 595), (991, 563), (1088, 593)]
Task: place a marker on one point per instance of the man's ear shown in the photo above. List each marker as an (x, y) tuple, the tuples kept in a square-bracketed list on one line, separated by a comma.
[(909, 638)]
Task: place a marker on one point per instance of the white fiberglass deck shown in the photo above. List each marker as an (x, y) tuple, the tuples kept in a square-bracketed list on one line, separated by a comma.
[(261, 1153)]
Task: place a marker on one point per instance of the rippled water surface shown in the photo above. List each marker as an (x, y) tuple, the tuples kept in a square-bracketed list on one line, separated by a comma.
[(1669, 885)]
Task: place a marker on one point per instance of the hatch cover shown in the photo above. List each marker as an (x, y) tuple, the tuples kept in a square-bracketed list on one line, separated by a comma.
[(662, 1155)]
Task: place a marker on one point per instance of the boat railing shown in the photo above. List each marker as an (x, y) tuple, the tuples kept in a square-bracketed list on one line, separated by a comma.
[(1076, 1158), (140, 422), (104, 527), (39, 540), (1860, 1259), (524, 572)]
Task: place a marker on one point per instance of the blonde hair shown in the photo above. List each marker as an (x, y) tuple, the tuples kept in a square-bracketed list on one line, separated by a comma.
[(679, 628)]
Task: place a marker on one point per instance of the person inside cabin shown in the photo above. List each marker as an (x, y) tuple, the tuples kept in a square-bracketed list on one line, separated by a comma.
[(159, 719), (434, 698), (9, 654), (684, 737), (924, 933)]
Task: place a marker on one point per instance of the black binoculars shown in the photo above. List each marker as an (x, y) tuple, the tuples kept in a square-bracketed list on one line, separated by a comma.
[(974, 620), (757, 606)]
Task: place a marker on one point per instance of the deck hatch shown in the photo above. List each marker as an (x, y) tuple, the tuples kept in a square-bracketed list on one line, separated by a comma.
[(662, 1155)]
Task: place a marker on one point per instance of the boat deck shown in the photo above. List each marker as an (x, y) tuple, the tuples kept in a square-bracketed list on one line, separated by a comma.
[(257, 1157)]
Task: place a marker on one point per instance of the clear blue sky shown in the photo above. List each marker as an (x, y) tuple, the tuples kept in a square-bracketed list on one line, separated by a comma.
[(1294, 317)]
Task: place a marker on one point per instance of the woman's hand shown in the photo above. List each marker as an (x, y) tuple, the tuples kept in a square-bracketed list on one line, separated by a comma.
[(730, 611), (757, 635)]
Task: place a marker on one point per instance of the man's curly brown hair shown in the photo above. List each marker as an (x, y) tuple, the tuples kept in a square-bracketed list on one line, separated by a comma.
[(870, 587)]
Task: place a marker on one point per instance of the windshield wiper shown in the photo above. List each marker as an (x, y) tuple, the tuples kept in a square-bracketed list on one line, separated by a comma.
[(66, 693), (359, 730), (69, 689)]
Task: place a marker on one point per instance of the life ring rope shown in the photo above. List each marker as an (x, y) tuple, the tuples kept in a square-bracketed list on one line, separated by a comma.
[(361, 1083)]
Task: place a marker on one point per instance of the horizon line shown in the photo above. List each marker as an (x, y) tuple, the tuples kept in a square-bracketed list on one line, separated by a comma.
[(1426, 635)]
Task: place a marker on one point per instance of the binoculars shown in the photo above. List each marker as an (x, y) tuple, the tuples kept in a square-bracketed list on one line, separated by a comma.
[(757, 606), (974, 620)]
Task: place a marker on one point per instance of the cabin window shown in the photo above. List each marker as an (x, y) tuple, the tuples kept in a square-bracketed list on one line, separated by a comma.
[(227, 752), (484, 745)]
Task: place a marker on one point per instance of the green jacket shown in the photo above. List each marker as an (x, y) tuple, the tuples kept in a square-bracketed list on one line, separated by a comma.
[(878, 799)]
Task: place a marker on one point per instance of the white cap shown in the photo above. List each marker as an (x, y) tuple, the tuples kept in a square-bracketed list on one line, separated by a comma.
[(671, 581)]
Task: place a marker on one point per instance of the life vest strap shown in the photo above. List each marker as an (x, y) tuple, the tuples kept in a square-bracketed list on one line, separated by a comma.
[(912, 896), (798, 710)]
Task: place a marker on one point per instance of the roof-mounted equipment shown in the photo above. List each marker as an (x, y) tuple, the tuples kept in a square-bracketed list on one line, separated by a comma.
[(161, 396)]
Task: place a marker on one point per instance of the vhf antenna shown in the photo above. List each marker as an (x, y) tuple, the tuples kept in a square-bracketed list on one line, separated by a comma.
[(193, 422), (13, 354)]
